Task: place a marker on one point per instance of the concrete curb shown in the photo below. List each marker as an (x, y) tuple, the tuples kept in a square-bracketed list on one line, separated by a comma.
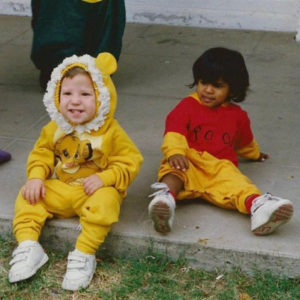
[(62, 234)]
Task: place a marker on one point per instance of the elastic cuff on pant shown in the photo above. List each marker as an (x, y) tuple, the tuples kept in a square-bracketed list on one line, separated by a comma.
[(25, 237), (85, 248), (90, 244)]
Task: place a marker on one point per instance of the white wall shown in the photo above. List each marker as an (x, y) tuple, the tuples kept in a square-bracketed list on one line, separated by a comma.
[(15, 7), (277, 15), (269, 15)]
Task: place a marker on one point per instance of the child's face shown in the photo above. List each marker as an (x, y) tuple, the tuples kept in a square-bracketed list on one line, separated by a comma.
[(77, 99), (213, 95)]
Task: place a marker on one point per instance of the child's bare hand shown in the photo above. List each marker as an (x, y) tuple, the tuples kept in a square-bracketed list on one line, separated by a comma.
[(263, 156), (34, 190), (91, 184), (179, 161)]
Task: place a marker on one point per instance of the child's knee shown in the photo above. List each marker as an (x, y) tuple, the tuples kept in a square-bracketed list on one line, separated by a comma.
[(103, 208)]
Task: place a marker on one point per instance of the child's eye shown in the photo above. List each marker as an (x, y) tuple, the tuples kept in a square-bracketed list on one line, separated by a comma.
[(219, 85), (86, 94), (66, 93)]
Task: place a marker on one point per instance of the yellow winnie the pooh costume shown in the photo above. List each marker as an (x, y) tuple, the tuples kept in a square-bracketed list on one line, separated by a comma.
[(67, 153)]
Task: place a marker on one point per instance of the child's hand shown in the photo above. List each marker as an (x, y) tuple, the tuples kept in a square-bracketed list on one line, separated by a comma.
[(91, 184), (34, 190), (179, 161), (263, 156)]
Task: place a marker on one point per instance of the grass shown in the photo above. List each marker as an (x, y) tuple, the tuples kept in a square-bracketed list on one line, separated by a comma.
[(151, 276)]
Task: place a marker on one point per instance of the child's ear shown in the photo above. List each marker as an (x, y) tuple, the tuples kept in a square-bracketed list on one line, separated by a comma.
[(106, 62), (230, 95)]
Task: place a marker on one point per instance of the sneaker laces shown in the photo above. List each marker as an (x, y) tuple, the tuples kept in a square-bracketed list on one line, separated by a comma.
[(161, 189), (261, 200)]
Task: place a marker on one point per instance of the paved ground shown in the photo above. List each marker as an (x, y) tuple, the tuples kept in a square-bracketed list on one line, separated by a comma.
[(154, 68)]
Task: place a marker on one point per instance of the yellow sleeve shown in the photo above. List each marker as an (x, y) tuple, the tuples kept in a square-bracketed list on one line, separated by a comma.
[(40, 163), (174, 143), (124, 160), (250, 151)]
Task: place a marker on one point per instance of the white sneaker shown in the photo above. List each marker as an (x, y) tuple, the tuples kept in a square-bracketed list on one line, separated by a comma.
[(28, 257), (80, 270), (268, 213), (162, 208)]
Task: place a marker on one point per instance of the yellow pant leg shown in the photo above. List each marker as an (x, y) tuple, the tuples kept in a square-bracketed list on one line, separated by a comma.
[(229, 188), (97, 214), (30, 219), (217, 181)]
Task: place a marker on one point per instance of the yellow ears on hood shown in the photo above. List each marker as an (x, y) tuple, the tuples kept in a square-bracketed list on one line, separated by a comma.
[(106, 62)]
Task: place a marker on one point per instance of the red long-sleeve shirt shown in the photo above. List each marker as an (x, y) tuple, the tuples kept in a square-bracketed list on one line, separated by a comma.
[(220, 131)]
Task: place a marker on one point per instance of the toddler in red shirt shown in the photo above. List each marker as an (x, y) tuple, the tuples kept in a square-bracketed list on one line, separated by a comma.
[(204, 135)]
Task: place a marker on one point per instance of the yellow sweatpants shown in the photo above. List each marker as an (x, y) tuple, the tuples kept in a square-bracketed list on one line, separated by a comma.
[(97, 212), (217, 181)]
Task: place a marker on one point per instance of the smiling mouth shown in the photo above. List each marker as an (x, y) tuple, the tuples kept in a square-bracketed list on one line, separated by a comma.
[(75, 111), (207, 99)]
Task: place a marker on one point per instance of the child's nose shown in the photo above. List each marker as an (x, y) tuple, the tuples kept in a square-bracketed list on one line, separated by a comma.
[(75, 99), (209, 88)]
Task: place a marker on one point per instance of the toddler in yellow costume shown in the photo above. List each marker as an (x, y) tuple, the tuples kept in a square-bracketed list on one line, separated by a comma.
[(94, 162), (204, 135)]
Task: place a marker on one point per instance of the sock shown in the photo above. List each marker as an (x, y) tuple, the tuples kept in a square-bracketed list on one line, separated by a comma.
[(173, 195), (249, 200)]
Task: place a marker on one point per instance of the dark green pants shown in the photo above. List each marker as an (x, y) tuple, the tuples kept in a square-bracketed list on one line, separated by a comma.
[(62, 28)]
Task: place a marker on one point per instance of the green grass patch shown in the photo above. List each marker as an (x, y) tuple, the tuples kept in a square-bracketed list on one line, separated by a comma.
[(150, 276)]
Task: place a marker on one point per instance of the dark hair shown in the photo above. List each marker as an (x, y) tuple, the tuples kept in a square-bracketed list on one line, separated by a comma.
[(221, 63)]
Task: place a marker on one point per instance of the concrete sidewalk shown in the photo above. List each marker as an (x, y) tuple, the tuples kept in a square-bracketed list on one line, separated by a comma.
[(154, 69)]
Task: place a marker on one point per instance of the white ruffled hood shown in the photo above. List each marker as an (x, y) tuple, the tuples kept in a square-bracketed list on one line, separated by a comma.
[(100, 70)]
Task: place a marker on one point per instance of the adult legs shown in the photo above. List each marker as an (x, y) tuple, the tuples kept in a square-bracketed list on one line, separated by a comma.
[(63, 28)]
